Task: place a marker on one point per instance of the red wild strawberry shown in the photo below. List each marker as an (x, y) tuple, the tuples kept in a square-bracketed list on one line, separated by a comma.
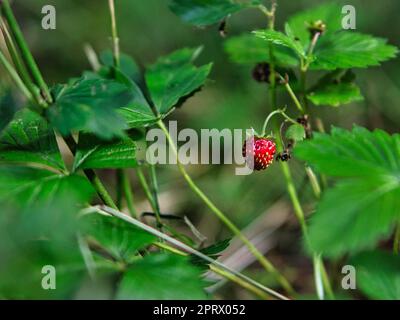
[(262, 150)]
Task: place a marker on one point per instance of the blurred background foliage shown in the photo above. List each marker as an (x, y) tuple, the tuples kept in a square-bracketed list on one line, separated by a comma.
[(231, 99)]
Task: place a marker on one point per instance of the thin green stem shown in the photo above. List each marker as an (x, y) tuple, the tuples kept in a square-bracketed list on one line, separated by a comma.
[(130, 203), (229, 276), (186, 248), (24, 49), (114, 33), (14, 76), (149, 196), (19, 65), (224, 219)]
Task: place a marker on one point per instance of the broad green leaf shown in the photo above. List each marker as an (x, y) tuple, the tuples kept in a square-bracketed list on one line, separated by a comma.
[(296, 132), (206, 12), (37, 236), (29, 186), (173, 78), (90, 105), (330, 14), (137, 113), (348, 49), (94, 153), (29, 140), (335, 94), (7, 110), (280, 39), (362, 208), (119, 238), (378, 274), (162, 277), (247, 49)]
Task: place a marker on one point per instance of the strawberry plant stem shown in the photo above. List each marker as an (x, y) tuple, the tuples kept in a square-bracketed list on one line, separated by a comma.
[(24, 49), (187, 249), (114, 33), (126, 184), (14, 76), (19, 65), (224, 219), (221, 272)]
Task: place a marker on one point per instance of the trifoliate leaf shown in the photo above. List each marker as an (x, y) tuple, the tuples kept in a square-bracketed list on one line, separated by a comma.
[(94, 153), (173, 78), (206, 12), (29, 140), (153, 277), (362, 208), (281, 39), (247, 49), (348, 49), (378, 274), (119, 238), (296, 132), (90, 105)]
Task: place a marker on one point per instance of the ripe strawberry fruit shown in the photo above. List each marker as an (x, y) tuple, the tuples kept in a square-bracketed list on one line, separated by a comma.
[(262, 150)]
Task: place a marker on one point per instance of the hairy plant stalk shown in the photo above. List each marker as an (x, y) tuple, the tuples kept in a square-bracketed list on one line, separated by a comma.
[(19, 65), (130, 203), (114, 33), (187, 249), (224, 219), (24, 49), (14, 76), (285, 167), (217, 270)]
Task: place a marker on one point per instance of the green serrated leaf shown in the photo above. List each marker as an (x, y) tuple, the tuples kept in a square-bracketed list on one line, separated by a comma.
[(155, 275), (330, 14), (378, 274), (206, 12), (27, 186), (94, 153), (362, 208), (247, 49), (296, 132), (8, 108), (173, 78), (119, 238), (90, 105), (29, 140), (348, 49), (127, 65), (335, 94), (280, 39)]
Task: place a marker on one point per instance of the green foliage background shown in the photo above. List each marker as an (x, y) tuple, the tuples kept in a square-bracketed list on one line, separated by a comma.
[(148, 30)]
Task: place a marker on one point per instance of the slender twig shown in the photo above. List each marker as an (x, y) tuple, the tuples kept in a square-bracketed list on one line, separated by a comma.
[(186, 248), (14, 76), (18, 63), (126, 184), (24, 49), (224, 219)]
